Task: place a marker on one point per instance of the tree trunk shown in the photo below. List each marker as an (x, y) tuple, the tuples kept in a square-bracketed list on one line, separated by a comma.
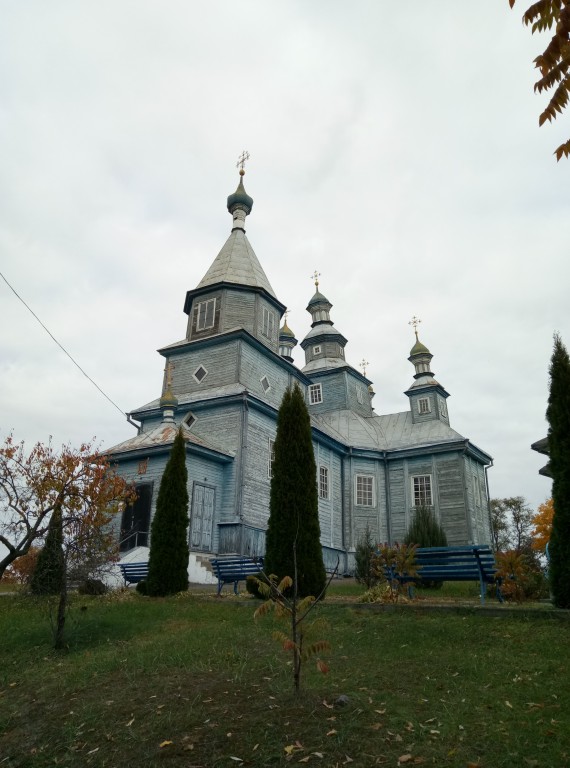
[(60, 621)]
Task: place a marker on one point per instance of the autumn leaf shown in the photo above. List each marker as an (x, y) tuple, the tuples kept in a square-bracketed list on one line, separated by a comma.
[(165, 744), (404, 759)]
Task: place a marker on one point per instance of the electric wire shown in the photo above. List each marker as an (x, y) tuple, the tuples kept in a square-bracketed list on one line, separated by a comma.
[(123, 414)]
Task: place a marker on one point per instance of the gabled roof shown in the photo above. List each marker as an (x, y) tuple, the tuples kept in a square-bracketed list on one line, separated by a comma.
[(237, 263), (385, 433), (162, 436)]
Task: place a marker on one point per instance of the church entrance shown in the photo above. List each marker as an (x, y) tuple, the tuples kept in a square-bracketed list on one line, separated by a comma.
[(202, 517)]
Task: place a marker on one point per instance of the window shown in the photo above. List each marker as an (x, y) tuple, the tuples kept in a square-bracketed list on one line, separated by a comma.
[(442, 407), (359, 395), (268, 327), (270, 458), (200, 373), (189, 419), (476, 491), (421, 491), (323, 482), (317, 350), (341, 351), (143, 466), (365, 491), (424, 405), (265, 384), (315, 394), (205, 314)]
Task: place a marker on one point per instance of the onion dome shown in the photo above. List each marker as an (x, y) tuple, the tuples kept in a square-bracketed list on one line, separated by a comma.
[(287, 341), (240, 200)]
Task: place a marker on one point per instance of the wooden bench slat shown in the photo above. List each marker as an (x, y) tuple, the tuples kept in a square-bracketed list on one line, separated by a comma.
[(235, 569), (464, 563)]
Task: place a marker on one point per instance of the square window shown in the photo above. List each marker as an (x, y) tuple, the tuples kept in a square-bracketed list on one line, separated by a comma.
[(268, 326), (421, 491), (424, 405), (364, 490), (317, 350), (205, 312), (200, 373), (270, 458), (323, 482), (265, 384), (315, 394), (189, 419)]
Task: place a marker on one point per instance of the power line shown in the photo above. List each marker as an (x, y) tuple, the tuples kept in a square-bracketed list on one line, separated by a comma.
[(61, 346)]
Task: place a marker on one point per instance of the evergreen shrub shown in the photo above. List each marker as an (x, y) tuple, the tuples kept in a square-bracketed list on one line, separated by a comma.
[(294, 510)]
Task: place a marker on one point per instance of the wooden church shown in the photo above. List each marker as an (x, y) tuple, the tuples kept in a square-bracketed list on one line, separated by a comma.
[(223, 385)]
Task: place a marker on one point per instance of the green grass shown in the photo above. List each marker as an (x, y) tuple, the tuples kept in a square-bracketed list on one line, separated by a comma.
[(446, 688)]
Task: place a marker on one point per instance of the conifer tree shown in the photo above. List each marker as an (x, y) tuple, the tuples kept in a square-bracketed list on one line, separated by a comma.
[(558, 415), (294, 517), (49, 574), (168, 559), (424, 530)]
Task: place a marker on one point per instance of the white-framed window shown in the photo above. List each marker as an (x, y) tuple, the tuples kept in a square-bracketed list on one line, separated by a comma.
[(323, 482), (442, 407), (359, 396), (365, 496), (200, 374), (317, 349), (265, 383), (268, 323), (205, 313), (424, 405), (341, 351), (315, 394), (270, 458), (421, 491)]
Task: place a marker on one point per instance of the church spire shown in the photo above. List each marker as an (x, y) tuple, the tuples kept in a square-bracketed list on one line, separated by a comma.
[(323, 345), (240, 203), (168, 401)]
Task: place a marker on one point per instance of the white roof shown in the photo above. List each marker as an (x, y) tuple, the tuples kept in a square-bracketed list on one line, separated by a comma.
[(162, 435)]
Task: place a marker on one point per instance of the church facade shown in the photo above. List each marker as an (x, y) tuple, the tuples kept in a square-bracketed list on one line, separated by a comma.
[(223, 385)]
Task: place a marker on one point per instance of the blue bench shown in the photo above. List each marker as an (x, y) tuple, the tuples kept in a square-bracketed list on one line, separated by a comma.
[(133, 572), (235, 568), (469, 563)]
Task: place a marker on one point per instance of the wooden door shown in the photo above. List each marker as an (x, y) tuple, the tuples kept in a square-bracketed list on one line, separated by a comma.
[(202, 517)]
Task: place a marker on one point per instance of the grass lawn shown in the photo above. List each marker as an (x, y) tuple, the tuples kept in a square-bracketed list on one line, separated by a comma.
[(188, 682)]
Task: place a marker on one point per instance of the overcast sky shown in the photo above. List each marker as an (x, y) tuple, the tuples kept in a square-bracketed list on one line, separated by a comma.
[(394, 147)]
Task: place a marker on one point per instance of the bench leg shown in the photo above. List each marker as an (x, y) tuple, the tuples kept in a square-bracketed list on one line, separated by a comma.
[(483, 591), (236, 587), (220, 585)]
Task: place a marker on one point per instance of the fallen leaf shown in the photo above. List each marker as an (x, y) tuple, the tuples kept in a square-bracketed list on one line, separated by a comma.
[(255, 747), (508, 704), (128, 725), (237, 759), (327, 705), (331, 733), (319, 754), (404, 759), (380, 711), (165, 744), (348, 760), (304, 759)]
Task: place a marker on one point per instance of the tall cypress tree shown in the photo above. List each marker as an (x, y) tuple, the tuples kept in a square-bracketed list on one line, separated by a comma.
[(558, 415), (294, 507), (49, 574), (168, 559)]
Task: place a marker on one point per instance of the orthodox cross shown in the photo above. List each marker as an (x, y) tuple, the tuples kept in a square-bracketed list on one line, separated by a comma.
[(285, 316), (315, 276), (363, 363), (241, 162), (415, 321)]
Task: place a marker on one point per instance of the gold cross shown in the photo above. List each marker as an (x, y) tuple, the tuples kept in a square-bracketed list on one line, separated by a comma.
[(363, 363), (315, 276), (415, 321), (285, 316), (241, 162)]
